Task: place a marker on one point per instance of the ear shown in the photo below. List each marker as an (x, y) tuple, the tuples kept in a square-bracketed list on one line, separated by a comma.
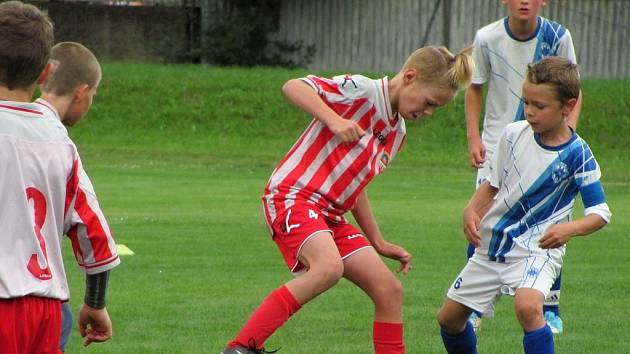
[(48, 69), (568, 106), (410, 75), (80, 92)]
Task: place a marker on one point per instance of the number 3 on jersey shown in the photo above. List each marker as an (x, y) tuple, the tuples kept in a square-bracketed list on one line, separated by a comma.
[(39, 210)]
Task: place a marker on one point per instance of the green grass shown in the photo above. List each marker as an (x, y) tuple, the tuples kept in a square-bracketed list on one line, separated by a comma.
[(179, 156)]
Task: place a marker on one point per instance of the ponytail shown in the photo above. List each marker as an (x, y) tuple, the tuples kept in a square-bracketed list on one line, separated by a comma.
[(438, 67)]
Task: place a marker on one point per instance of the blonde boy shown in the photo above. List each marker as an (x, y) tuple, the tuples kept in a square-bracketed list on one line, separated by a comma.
[(68, 92)]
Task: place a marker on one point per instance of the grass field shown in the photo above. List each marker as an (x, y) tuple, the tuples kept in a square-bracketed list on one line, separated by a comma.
[(179, 156)]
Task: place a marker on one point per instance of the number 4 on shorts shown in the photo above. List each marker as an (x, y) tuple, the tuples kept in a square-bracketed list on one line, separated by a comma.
[(312, 214)]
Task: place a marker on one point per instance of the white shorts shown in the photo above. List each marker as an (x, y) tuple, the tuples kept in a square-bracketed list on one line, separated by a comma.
[(482, 282)]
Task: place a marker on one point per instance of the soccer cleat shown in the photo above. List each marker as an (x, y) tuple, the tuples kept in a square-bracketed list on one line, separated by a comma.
[(475, 321), (554, 322), (242, 350)]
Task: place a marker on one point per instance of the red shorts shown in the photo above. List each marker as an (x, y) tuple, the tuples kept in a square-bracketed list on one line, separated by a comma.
[(30, 325), (298, 224)]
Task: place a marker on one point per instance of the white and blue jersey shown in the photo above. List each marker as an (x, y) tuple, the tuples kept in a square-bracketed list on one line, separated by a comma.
[(501, 60), (537, 186)]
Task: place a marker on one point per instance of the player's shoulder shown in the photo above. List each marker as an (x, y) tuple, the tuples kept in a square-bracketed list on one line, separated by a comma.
[(552, 28), (517, 127), (356, 86), (491, 31)]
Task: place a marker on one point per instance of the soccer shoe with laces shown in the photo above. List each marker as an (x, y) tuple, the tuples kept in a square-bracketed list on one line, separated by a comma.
[(554, 322), (475, 321), (242, 350)]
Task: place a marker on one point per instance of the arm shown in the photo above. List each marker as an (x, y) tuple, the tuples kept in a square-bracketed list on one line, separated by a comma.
[(476, 150), (303, 96), (362, 213), (94, 321), (475, 209), (574, 116), (559, 234)]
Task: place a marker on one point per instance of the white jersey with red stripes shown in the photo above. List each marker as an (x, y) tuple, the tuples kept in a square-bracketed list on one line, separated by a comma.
[(45, 194), (323, 170)]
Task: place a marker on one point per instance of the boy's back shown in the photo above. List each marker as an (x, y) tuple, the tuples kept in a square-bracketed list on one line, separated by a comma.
[(37, 163)]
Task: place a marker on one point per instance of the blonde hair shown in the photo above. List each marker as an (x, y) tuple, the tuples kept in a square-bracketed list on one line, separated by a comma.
[(438, 67), (559, 73), (74, 65)]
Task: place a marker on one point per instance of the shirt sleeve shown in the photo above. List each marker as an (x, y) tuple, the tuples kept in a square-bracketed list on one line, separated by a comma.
[(84, 223), (587, 178), (566, 49), (497, 161), (482, 64)]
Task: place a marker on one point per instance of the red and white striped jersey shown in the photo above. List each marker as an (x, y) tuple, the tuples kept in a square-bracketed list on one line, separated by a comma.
[(322, 170), (44, 194)]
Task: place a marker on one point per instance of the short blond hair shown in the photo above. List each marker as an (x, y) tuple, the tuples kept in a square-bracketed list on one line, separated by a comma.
[(438, 67), (559, 73), (74, 65)]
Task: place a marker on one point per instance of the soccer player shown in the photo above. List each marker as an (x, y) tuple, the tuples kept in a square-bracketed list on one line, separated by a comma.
[(501, 52), (358, 129), (45, 193), (68, 92), (538, 168)]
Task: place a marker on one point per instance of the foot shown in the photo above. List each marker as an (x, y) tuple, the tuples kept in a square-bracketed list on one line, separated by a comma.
[(554, 322), (475, 321), (242, 350)]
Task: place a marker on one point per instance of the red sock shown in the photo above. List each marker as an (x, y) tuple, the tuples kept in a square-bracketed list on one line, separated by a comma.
[(388, 338), (272, 313)]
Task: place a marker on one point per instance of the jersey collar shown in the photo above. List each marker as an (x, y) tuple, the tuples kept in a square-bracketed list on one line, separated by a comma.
[(511, 34)]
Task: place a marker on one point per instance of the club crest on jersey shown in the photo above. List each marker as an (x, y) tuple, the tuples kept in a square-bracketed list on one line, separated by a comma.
[(383, 161), (560, 172), (533, 272)]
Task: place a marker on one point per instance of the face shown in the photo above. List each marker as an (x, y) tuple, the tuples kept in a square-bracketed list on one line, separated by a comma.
[(417, 100), (83, 97), (524, 10), (544, 112)]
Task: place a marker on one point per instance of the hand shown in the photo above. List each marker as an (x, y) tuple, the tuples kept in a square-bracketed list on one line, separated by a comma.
[(398, 253), (472, 222), (477, 152), (556, 236), (95, 324), (347, 130)]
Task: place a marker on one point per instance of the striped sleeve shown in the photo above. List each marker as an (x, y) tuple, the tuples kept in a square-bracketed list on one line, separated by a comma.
[(84, 223), (587, 178)]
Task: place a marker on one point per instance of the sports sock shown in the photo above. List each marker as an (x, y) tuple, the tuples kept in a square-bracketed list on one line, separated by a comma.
[(461, 343), (388, 338), (539, 341), (270, 315), (552, 302)]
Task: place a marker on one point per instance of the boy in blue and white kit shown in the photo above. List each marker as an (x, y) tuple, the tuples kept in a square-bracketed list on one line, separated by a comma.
[(539, 167), (501, 52)]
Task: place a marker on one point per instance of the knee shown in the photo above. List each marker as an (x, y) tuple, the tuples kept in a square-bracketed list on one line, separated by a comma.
[(389, 291), (527, 312), (328, 273), (449, 323)]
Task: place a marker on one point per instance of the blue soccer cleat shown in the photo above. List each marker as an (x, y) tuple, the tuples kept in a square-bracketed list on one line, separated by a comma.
[(475, 321), (554, 322)]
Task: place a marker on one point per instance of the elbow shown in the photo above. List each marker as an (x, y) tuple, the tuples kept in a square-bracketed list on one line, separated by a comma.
[(289, 86)]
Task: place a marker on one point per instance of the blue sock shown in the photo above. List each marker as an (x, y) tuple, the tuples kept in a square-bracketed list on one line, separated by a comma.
[(470, 250), (555, 289), (539, 341), (462, 343)]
